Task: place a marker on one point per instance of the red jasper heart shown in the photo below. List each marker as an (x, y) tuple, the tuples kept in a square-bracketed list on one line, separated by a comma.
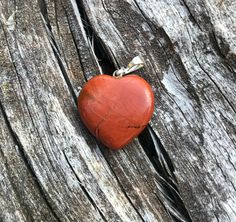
[(116, 109)]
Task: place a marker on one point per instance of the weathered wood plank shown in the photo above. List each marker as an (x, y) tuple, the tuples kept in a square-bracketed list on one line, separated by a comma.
[(195, 87), (77, 181), (33, 105), (21, 198), (48, 49), (144, 197)]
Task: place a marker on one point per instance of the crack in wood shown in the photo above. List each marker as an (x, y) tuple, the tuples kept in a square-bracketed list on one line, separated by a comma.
[(200, 142), (78, 53), (217, 86), (184, 214), (120, 183), (26, 211), (107, 64), (167, 181), (105, 59), (56, 50), (27, 162), (63, 69), (191, 14), (83, 188)]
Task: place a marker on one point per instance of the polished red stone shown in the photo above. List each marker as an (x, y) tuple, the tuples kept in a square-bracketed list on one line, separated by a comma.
[(115, 110)]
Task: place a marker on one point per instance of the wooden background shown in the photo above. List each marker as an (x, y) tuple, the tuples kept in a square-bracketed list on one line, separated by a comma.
[(181, 168)]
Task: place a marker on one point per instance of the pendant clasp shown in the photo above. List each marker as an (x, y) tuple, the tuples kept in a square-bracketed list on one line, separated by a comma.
[(136, 63)]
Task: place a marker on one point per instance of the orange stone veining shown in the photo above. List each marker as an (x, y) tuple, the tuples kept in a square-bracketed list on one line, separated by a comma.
[(116, 109)]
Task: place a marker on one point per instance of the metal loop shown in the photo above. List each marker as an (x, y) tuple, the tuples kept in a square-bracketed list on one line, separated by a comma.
[(136, 63)]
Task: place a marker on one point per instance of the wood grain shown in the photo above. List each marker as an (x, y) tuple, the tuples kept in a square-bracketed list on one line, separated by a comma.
[(181, 168)]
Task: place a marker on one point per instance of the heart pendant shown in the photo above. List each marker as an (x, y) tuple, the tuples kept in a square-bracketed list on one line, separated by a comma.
[(116, 109)]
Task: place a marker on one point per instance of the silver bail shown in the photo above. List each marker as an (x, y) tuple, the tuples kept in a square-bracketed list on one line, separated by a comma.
[(136, 63)]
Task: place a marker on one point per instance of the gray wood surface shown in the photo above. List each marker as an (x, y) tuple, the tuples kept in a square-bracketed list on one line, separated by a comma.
[(181, 168)]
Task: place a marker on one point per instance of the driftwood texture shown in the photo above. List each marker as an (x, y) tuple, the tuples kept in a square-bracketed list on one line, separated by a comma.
[(181, 168)]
